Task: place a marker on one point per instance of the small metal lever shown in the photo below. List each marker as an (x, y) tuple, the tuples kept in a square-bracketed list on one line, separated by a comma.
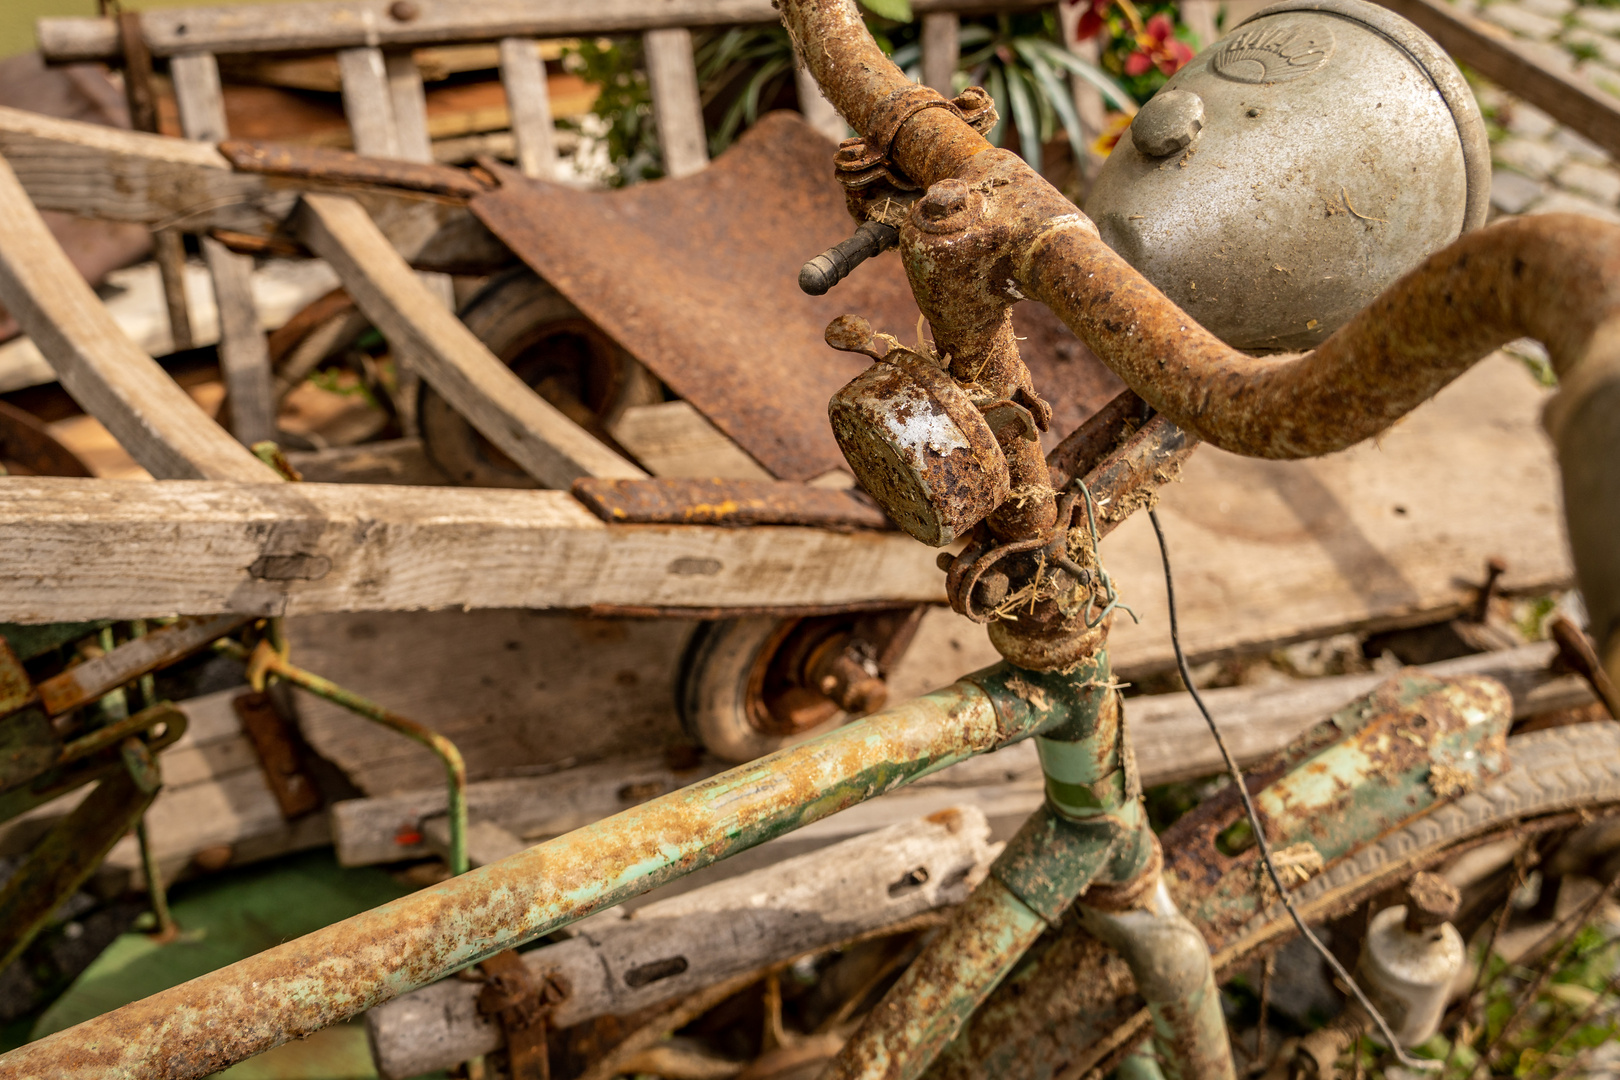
[(834, 265)]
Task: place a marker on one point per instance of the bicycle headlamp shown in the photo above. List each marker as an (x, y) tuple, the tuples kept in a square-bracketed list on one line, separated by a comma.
[(1285, 176)]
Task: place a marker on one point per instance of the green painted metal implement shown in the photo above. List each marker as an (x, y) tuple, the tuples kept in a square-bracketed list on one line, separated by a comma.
[(304, 985)]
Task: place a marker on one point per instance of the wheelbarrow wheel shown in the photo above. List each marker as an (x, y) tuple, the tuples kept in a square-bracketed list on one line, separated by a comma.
[(734, 697), (554, 349)]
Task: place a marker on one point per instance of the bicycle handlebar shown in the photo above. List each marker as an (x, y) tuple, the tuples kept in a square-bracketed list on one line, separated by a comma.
[(1554, 278)]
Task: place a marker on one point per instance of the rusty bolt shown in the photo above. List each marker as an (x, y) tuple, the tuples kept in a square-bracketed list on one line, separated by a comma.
[(403, 10), (948, 197), (1430, 901)]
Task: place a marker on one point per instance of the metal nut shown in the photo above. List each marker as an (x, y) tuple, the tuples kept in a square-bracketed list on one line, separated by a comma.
[(403, 10), (1169, 122), (949, 206)]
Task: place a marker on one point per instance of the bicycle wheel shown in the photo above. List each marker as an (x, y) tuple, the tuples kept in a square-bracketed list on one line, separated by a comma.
[(1070, 1007)]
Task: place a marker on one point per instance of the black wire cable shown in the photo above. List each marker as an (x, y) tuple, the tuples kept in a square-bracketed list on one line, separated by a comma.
[(1259, 833)]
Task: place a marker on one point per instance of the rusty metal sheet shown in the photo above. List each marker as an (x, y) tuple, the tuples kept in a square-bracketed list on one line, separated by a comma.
[(698, 279), (672, 501), (325, 164)]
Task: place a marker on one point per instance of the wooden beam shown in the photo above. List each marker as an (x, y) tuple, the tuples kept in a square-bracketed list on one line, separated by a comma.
[(72, 549), (100, 172), (527, 428), (528, 99), (1495, 54), (117, 383), (339, 24), (941, 49), (244, 357), (677, 106)]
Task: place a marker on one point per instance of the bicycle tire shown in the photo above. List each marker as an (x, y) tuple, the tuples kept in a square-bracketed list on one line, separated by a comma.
[(1070, 1007)]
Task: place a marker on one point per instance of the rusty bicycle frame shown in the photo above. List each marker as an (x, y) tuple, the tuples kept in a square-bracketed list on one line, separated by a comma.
[(983, 232)]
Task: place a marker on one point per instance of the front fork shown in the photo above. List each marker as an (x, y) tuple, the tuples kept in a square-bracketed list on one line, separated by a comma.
[(1089, 846)]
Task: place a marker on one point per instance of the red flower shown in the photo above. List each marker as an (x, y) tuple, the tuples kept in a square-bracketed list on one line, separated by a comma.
[(1157, 46), (1092, 20)]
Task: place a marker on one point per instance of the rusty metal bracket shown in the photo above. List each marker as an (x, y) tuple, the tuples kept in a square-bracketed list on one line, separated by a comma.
[(319, 163), (276, 744), (523, 1004), (735, 503)]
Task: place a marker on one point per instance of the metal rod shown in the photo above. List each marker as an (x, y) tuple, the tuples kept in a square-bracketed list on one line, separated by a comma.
[(338, 972), (266, 660), (156, 891), (117, 731)]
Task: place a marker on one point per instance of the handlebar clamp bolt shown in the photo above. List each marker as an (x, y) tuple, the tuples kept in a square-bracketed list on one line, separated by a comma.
[(949, 206)]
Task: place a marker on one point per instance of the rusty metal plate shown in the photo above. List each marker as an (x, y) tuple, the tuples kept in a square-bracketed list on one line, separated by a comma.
[(671, 501), (698, 279)]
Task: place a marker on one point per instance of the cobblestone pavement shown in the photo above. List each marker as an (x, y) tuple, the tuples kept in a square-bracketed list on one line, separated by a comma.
[(1540, 166)]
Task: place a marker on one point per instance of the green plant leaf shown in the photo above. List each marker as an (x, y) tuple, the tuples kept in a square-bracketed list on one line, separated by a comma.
[(1055, 92), (893, 10), (996, 84), (1090, 72), (1023, 111)]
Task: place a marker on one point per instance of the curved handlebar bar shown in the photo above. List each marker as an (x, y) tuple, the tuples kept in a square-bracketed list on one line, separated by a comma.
[(1554, 278)]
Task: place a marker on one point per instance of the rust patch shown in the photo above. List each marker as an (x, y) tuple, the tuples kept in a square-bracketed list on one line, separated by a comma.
[(319, 163), (736, 503)]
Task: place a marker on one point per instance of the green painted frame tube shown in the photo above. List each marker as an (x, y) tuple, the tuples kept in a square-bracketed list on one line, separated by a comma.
[(1090, 830), (301, 986)]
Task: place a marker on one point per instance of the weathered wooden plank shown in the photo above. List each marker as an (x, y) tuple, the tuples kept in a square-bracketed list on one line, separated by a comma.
[(101, 172), (1494, 53), (150, 416), (244, 359), (941, 48), (768, 916), (367, 103), (409, 100), (677, 106), (397, 461), (674, 439), (123, 549), (527, 428), (291, 27), (528, 99)]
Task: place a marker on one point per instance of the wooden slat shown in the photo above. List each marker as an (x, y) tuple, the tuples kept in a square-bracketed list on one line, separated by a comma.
[(1493, 52), (244, 358), (100, 172), (367, 102), (677, 108), (117, 383), (941, 48), (387, 112), (528, 429), (80, 549), (528, 99), (410, 107), (286, 27)]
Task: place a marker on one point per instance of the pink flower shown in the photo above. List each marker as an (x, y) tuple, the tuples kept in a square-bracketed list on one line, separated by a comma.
[(1157, 46), (1092, 20)]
